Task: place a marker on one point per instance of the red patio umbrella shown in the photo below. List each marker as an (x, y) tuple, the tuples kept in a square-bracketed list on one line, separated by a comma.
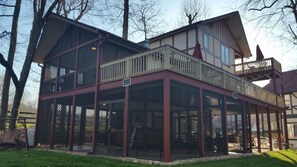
[(197, 51), (259, 53)]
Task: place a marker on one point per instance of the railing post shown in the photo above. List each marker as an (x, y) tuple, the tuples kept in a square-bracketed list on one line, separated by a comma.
[(128, 68), (200, 71), (242, 87), (167, 57), (224, 79)]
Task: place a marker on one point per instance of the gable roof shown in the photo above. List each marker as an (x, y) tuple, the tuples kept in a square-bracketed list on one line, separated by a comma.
[(233, 23), (290, 80), (55, 27)]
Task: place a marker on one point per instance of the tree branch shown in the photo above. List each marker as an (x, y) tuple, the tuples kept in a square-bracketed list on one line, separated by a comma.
[(264, 7), (5, 15), (5, 5), (8, 67), (4, 33), (293, 33)]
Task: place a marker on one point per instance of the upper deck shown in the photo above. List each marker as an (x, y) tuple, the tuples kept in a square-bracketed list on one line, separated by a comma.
[(258, 70), (169, 58)]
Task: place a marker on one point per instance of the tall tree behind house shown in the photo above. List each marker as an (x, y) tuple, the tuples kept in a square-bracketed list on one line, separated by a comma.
[(40, 11)]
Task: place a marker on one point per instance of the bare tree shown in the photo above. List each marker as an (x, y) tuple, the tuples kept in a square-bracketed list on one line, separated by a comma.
[(77, 8), (117, 13), (277, 16), (192, 11), (10, 58), (134, 16), (39, 18), (145, 17), (125, 19)]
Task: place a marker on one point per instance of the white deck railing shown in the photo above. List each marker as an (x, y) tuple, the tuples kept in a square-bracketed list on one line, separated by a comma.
[(169, 58), (258, 66)]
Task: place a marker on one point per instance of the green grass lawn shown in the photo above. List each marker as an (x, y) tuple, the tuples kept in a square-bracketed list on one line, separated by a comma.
[(34, 158)]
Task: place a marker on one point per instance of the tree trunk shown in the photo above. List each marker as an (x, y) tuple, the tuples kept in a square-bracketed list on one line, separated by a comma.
[(37, 24), (125, 19), (10, 58), (34, 36)]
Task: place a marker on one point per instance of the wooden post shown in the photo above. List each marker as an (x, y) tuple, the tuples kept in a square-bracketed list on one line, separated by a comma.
[(243, 127), (286, 131), (258, 128), (126, 115), (250, 127), (167, 57), (26, 134), (53, 125), (96, 98), (201, 124), (269, 129), (166, 129), (95, 122), (72, 124), (279, 138), (224, 125)]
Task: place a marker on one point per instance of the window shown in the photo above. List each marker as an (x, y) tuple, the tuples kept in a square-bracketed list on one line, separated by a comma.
[(205, 40), (67, 63), (50, 69), (87, 56), (225, 56), (80, 78)]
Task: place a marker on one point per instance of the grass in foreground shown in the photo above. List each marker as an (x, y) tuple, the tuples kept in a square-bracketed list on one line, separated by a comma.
[(38, 158)]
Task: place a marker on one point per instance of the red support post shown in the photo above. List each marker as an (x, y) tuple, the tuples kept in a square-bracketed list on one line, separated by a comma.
[(250, 128), (166, 130), (96, 108), (53, 125), (95, 123), (286, 131), (70, 145), (126, 114), (201, 124), (244, 126), (269, 129), (225, 126), (258, 128), (279, 137)]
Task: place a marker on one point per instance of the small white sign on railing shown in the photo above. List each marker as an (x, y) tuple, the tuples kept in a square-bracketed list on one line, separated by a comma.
[(126, 82)]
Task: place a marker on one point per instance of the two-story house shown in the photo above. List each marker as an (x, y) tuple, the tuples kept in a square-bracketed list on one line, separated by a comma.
[(103, 94)]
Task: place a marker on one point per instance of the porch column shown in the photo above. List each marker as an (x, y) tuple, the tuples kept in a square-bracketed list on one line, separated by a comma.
[(250, 127), (279, 138), (166, 129), (126, 114), (258, 129), (95, 122), (244, 127), (72, 124), (269, 129), (224, 125), (286, 130), (201, 124), (96, 99), (53, 124)]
